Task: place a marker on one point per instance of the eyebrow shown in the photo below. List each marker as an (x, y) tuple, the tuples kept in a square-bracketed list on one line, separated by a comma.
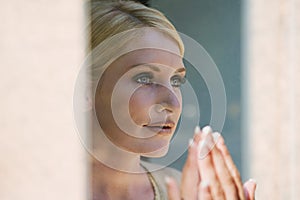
[(156, 68)]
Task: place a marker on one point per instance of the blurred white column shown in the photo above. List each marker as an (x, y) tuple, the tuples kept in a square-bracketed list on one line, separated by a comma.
[(271, 93), (41, 48)]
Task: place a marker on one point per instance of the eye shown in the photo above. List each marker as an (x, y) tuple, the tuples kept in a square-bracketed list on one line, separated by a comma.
[(177, 81), (144, 78)]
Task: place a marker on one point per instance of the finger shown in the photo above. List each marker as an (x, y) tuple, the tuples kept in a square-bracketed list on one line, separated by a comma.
[(172, 188), (197, 135), (249, 188), (190, 176), (207, 170), (204, 191), (226, 180), (231, 166)]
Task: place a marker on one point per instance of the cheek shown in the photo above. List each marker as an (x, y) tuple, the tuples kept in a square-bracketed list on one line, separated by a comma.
[(140, 104)]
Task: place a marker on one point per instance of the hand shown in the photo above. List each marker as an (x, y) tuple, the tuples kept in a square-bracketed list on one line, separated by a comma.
[(213, 176), (191, 186), (247, 191)]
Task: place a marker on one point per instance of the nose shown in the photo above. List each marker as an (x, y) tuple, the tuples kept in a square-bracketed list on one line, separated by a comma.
[(168, 99)]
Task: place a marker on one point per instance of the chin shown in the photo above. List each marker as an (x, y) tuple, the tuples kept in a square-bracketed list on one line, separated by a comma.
[(157, 153)]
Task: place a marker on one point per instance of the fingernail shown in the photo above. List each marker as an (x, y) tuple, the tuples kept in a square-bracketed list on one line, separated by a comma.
[(167, 180), (253, 180), (204, 184), (207, 130), (197, 129), (191, 142), (216, 136)]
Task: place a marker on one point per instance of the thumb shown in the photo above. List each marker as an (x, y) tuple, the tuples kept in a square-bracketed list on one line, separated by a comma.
[(172, 188), (249, 189)]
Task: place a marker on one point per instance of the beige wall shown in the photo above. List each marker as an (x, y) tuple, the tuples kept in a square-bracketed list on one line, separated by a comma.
[(41, 48), (271, 97)]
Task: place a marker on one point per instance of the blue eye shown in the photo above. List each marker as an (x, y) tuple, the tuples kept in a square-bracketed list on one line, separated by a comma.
[(144, 78), (177, 81)]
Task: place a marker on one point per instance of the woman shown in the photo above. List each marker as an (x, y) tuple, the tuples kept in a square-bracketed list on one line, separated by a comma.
[(137, 70)]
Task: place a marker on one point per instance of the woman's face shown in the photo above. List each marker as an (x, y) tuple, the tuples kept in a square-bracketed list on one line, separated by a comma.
[(138, 99)]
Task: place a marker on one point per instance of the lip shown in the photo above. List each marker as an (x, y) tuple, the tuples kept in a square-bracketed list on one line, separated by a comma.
[(161, 128)]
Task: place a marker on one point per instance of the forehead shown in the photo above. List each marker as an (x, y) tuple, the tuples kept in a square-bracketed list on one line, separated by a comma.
[(150, 47), (148, 56), (147, 38)]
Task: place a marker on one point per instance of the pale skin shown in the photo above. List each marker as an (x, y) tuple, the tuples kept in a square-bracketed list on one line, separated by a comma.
[(214, 177), (127, 72)]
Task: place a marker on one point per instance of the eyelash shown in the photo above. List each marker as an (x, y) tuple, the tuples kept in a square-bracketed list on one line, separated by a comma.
[(145, 79), (180, 78)]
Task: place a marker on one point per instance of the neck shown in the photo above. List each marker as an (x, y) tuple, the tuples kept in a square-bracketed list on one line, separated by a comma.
[(109, 183), (116, 173), (113, 156)]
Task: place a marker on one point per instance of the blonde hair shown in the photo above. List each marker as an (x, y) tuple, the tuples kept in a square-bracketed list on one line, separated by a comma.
[(108, 18), (113, 27)]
